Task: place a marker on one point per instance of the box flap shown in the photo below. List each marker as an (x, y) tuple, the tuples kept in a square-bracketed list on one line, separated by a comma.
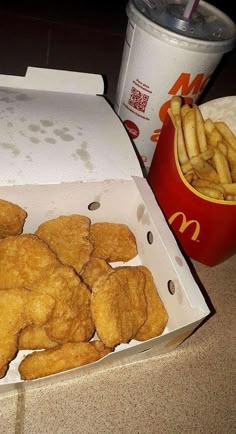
[(55, 81), (52, 134)]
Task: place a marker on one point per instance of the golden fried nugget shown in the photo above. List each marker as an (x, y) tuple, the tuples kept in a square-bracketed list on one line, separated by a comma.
[(12, 219), (67, 356), (68, 237), (72, 319), (157, 315), (94, 270), (113, 242), (118, 305), (18, 309), (35, 337), (22, 259)]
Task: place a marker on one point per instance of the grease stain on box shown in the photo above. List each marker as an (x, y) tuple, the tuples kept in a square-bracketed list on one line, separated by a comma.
[(34, 140), (34, 128), (140, 211), (46, 123), (63, 135), (10, 181), (22, 97), (83, 154), (67, 137), (9, 146), (179, 261), (50, 140), (29, 157), (142, 215), (6, 99)]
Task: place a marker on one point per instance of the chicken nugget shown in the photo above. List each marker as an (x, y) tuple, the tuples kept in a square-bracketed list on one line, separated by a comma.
[(72, 319), (113, 242), (22, 259), (18, 309), (118, 305), (68, 237), (157, 315), (94, 270), (12, 219), (35, 337), (67, 356)]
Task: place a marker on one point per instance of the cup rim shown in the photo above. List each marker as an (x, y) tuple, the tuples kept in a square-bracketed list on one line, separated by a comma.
[(182, 41)]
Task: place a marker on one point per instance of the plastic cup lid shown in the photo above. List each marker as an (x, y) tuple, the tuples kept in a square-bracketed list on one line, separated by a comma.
[(208, 29)]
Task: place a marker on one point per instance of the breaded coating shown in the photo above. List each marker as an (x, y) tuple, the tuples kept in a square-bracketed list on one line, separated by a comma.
[(113, 242), (118, 305), (94, 270), (67, 356), (18, 309), (72, 319), (35, 337), (12, 219), (22, 259), (68, 237), (157, 315)]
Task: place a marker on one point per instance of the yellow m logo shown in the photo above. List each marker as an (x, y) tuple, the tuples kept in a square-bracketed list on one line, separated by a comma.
[(185, 224)]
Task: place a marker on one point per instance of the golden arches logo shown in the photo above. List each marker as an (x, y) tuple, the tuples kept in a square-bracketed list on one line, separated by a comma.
[(185, 224)]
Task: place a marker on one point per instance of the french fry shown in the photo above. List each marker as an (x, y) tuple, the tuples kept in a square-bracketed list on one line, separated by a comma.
[(184, 110), (229, 197), (186, 167), (214, 137), (182, 153), (201, 134), (227, 134), (231, 155), (209, 126), (233, 171), (204, 169), (222, 167), (190, 176), (190, 134), (230, 188), (208, 154), (223, 148), (204, 183), (175, 105), (211, 192)]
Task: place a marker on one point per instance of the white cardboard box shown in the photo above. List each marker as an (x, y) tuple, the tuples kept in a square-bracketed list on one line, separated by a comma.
[(62, 148)]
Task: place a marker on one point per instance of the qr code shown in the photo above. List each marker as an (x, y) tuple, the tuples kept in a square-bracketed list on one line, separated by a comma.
[(138, 100)]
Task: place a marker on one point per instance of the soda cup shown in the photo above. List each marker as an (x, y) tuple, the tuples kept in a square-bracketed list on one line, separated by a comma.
[(166, 54)]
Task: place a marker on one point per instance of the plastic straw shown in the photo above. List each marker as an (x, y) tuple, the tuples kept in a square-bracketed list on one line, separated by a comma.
[(190, 8)]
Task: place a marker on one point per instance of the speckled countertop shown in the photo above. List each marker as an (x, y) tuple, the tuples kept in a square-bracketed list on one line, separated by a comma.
[(190, 390)]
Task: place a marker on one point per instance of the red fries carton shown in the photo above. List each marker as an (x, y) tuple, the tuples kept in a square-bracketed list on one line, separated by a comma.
[(204, 227)]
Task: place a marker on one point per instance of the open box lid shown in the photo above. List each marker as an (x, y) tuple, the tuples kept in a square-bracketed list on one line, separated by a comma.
[(56, 127)]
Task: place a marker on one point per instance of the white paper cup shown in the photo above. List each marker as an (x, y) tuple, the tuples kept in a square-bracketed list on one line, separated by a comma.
[(158, 63)]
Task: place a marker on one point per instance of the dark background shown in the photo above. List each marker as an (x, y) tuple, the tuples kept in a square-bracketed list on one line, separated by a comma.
[(74, 10), (84, 36)]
